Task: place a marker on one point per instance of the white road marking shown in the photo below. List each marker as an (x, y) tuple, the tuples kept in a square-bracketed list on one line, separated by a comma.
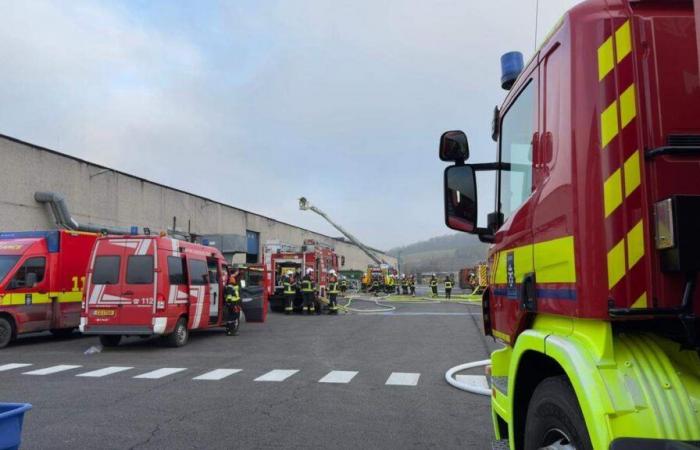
[(477, 381), (338, 376), (276, 375), (402, 379), (217, 374), (51, 370), (160, 373), (5, 367), (104, 372)]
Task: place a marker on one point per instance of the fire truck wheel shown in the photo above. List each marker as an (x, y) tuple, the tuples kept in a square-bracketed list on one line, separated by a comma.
[(5, 332), (110, 340), (179, 336), (554, 419)]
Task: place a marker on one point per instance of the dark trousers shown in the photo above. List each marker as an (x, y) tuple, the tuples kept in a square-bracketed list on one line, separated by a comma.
[(309, 301), (434, 288), (448, 293), (413, 290), (333, 299), (289, 303), (232, 317), (405, 290)]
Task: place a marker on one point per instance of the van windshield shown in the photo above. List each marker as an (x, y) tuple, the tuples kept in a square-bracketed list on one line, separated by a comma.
[(7, 262)]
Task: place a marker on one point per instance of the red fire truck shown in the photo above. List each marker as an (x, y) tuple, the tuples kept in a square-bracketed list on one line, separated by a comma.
[(152, 286), (284, 259), (595, 249), (41, 281)]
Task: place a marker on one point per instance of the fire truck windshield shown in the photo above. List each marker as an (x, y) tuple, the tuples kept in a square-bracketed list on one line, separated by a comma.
[(7, 262)]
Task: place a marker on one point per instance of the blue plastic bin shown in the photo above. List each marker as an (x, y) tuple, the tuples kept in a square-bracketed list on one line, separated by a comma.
[(11, 417)]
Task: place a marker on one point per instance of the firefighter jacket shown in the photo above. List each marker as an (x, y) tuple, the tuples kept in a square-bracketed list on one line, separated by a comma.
[(448, 284), (307, 285), (232, 294), (333, 287), (288, 287), (433, 282)]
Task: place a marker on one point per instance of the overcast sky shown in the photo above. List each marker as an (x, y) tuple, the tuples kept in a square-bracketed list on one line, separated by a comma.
[(255, 103)]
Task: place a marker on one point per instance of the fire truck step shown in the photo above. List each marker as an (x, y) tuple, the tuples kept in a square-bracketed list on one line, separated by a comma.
[(104, 372), (276, 375), (217, 374), (52, 370), (402, 379), (160, 373), (338, 376)]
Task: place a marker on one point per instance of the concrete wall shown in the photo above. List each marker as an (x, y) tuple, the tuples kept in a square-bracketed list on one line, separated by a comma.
[(114, 198)]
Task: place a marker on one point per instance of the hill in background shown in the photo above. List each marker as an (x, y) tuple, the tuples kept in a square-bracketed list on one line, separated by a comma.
[(441, 254)]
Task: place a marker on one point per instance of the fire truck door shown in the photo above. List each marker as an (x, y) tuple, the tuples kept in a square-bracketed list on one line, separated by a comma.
[(199, 293), (214, 291)]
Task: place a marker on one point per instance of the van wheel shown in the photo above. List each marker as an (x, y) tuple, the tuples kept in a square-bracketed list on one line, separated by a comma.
[(5, 332), (554, 419), (62, 332), (110, 340), (179, 336)]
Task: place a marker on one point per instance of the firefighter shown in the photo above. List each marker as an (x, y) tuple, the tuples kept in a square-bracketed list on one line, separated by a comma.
[(390, 284), (434, 285), (308, 292), (343, 284), (412, 285), (233, 304), (375, 286), (333, 293), (404, 284), (448, 288), (289, 293)]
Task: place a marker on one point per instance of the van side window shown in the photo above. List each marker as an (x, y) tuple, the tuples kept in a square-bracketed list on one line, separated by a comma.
[(176, 270), (106, 270), (36, 266), (139, 269), (198, 272), (517, 129)]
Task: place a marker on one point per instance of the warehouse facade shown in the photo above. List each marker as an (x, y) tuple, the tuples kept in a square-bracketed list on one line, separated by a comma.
[(101, 195)]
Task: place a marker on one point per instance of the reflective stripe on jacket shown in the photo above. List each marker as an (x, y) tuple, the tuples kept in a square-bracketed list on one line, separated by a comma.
[(288, 289), (333, 287), (232, 294), (307, 286)]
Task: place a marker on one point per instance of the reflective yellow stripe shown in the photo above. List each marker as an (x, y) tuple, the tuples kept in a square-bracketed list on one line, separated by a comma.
[(605, 58), (608, 124), (635, 244), (628, 107), (616, 263), (67, 297), (641, 302), (612, 192), (623, 41), (632, 173), (555, 261)]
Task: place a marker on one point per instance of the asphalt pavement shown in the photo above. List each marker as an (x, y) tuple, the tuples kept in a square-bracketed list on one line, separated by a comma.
[(348, 381)]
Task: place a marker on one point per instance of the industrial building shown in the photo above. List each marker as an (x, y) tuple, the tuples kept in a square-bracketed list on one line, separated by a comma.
[(105, 196)]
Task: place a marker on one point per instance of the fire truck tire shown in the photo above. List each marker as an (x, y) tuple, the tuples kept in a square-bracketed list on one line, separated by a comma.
[(6, 332), (179, 336), (62, 332), (554, 418), (110, 340)]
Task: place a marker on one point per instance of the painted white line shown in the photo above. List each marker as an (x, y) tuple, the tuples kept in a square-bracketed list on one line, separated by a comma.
[(403, 379), (475, 381), (104, 372), (276, 375), (52, 369), (338, 376), (5, 367), (217, 374), (160, 373)]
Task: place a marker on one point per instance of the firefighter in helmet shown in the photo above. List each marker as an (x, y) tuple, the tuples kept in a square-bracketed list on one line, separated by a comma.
[(448, 288), (404, 284), (233, 304), (434, 285), (412, 284), (343, 284), (333, 290), (308, 291), (289, 293)]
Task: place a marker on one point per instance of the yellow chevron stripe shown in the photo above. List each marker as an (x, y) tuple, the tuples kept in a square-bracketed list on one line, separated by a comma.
[(608, 124), (632, 173), (641, 302), (628, 107), (616, 263), (623, 41), (612, 192), (635, 244), (606, 60)]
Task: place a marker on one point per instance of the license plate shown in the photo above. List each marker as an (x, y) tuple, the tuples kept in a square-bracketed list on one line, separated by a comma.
[(103, 312)]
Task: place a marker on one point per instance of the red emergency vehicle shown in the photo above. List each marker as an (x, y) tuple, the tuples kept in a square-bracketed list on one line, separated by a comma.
[(152, 286), (284, 259), (595, 249), (42, 274)]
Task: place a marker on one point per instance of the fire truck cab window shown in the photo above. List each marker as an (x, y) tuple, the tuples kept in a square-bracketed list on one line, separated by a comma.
[(517, 129), (139, 269), (106, 270), (176, 270), (36, 266), (198, 272), (7, 262)]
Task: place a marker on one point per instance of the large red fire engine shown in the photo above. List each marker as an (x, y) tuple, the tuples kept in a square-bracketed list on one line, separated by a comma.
[(152, 286), (595, 248), (41, 281), (284, 259)]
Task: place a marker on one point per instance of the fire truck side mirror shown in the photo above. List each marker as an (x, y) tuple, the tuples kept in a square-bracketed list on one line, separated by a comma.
[(460, 198), (454, 146)]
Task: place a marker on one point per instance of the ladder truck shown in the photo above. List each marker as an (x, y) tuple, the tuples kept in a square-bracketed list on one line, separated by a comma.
[(595, 234)]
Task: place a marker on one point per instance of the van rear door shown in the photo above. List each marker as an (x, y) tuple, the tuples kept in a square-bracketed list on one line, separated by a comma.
[(139, 283)]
